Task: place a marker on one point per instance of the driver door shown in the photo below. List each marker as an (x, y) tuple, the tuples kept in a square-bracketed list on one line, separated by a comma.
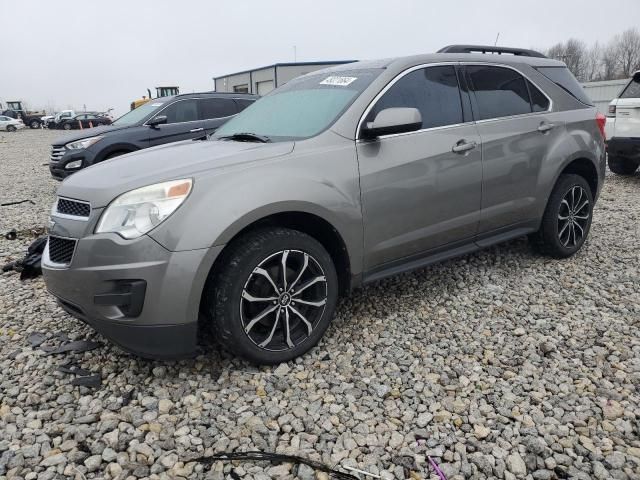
[(418, 194), (183, 123)]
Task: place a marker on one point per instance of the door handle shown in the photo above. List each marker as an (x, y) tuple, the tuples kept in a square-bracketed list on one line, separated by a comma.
[(194, 130), (545, 127), (463, 146)]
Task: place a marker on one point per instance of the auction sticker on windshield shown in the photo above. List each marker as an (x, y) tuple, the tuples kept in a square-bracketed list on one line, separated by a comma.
[(338, 81)]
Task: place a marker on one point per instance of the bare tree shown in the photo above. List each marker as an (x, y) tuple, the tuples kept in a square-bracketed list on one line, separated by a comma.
[(593, 63), (609, 61), (574, 53), (628, 51)]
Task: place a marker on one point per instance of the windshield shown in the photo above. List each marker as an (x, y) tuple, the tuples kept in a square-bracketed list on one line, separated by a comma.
[(302, 108), (139, 114)]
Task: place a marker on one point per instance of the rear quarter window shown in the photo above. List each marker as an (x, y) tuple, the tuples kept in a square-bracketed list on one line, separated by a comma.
[(562, 77)]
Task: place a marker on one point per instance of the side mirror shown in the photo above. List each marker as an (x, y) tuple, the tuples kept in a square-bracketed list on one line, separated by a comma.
[(155, 121), (393, 120)]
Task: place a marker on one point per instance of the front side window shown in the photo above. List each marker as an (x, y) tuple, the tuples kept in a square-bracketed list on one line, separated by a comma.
[(303, 107), (139, 114), (181, 111), (217, 108), (433, 91), (499, 92)]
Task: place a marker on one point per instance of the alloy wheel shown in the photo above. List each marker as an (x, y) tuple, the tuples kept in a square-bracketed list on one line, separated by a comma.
[(573, 217), (283, 300)]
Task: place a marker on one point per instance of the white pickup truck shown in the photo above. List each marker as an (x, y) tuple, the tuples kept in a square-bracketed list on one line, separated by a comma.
[(623, 129)]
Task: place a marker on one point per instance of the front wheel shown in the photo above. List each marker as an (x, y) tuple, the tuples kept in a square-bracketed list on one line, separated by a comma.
[(567, 218), (34, 124), (621, 166), (67, 126), (274, 296), (11, 128)]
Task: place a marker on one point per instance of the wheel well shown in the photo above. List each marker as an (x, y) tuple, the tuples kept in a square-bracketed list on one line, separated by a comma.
[(116, 153), (315, 227), (586, 170)]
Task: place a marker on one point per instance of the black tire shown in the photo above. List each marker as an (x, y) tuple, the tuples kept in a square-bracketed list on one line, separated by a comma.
[(233, 314), (67, 126), (622, 166), (114, 155), (11, 128), (560, 219), (34, 124)]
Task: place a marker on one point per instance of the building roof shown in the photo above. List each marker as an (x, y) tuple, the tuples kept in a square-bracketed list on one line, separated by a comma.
[(287, 64)]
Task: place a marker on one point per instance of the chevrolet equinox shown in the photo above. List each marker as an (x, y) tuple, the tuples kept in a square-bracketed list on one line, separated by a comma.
[(338, 178)]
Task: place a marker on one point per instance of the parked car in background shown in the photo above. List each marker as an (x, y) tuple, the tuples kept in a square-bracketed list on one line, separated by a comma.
[(59, 117), (340, 177), (623, 129), (9, 124), (83, 120), (163, 120)]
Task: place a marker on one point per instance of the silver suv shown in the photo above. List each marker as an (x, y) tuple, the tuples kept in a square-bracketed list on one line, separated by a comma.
[(338, 178)]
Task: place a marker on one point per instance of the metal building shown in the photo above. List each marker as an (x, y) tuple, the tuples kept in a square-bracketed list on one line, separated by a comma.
[(601, 93), (263, 80)]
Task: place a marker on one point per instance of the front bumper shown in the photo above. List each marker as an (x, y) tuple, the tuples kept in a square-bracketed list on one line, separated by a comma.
[(57, 169), (627, 148), (96, 288)]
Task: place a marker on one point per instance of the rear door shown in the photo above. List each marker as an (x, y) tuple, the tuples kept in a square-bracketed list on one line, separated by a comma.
[(627, 116), (517, 128), (215, 111), (183, 123)]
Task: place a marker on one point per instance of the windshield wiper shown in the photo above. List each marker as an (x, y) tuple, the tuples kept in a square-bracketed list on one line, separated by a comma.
[(246, 137)]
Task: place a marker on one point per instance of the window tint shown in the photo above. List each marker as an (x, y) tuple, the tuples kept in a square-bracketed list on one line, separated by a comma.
[(633, 89), (539, 102), (434, 91), (562, 77), (499, 92), (216, 108), (181, 111), (243, 103)]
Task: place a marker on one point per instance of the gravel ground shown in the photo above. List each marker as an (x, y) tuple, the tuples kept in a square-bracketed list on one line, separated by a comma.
[(500, 364)]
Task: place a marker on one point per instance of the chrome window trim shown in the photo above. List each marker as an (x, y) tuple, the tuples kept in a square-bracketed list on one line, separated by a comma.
[(71, 217), (46, 258), (459, 63)]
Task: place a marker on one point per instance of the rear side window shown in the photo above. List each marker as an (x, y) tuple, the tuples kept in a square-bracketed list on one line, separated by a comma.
[(243, 103), (181, 111), (562, 77), (539, 102), (499, 92), (433, 91), (633, 89), (217, 108)]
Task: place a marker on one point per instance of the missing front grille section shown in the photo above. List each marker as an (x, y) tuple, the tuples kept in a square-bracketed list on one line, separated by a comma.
[(73, 208), (61, 249)]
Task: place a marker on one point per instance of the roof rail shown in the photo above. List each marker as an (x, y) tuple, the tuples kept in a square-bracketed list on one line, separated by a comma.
[(490, 49)]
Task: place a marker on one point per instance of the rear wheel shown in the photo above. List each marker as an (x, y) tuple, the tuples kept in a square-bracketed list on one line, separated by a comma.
[(567, 218), (11, 128), (274, 296), (34, 124), (622, 166)]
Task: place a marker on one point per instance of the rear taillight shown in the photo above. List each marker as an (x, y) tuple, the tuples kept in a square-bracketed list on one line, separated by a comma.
[(612, 111), (601, 120)]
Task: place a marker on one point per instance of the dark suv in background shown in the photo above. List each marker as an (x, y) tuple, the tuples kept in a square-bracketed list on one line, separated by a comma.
[(162, 120), (83, 120)]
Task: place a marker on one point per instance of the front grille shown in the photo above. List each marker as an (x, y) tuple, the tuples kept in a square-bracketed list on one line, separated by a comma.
[(57, 151), (61, 249), (74, 208)]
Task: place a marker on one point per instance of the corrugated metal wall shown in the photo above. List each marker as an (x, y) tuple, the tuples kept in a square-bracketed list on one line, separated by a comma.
[(601, 93)]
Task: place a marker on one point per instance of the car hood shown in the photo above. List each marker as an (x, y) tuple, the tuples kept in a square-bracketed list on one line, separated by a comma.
[(90, 132), (101, 183)]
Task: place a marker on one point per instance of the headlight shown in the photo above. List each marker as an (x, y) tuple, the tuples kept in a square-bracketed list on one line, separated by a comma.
[(85, 143), (137, 212)]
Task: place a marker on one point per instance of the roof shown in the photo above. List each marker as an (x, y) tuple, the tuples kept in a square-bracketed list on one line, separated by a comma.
[(287, 64)]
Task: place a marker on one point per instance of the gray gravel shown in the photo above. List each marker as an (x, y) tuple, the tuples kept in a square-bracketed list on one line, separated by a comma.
[(500, 364)]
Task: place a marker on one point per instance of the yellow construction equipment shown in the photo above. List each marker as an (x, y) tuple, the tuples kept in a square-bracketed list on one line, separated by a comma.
[(160, 92)]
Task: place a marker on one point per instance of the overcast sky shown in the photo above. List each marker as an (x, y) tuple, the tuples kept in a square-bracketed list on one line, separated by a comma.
[(105, 54)]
